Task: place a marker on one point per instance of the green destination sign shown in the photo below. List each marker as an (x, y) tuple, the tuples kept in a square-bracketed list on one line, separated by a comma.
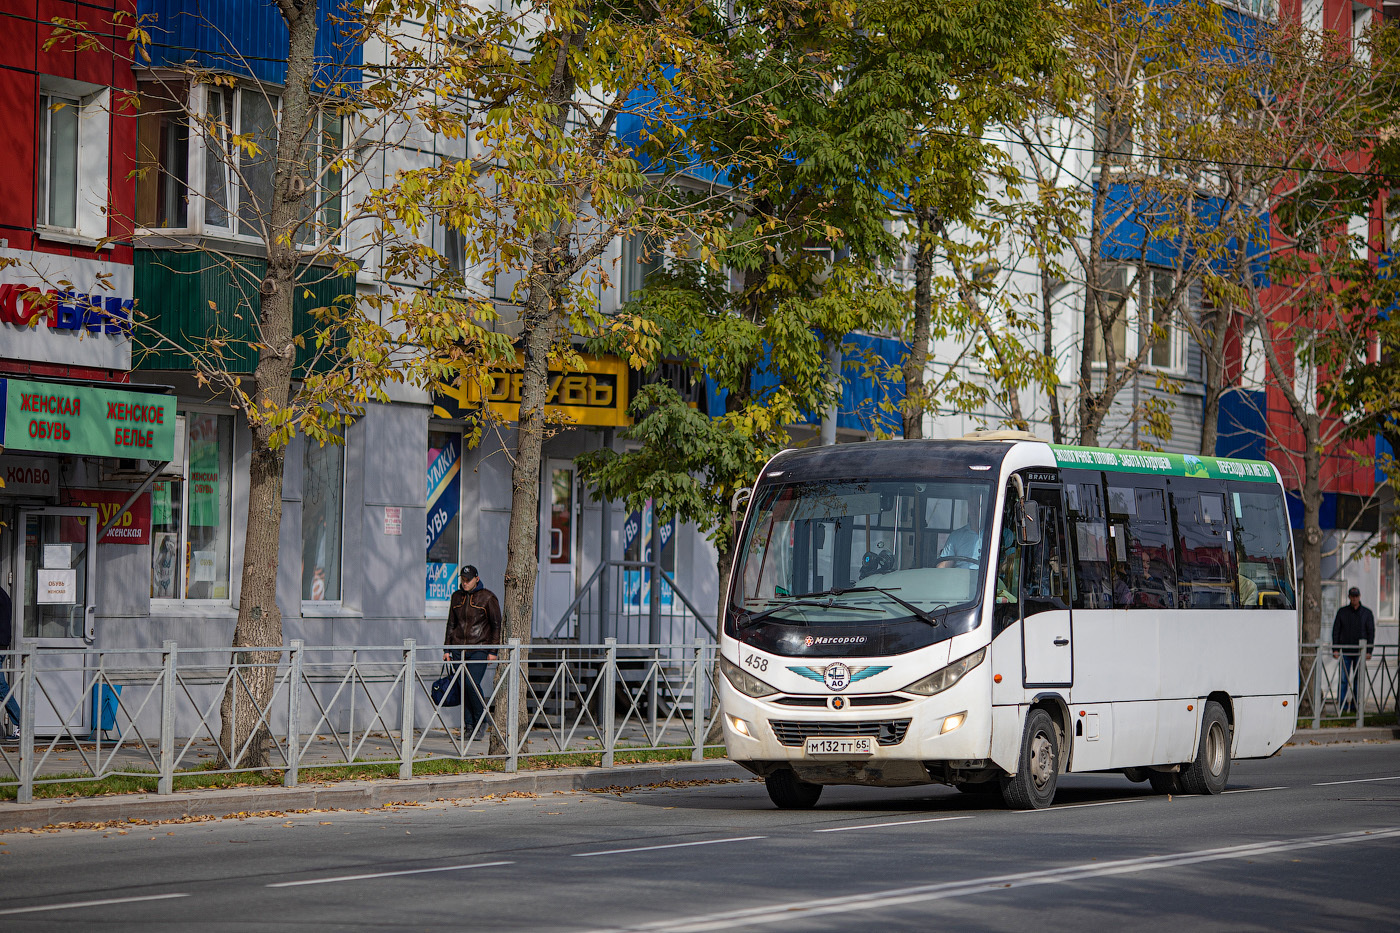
[(1145, 461), (67, 419)]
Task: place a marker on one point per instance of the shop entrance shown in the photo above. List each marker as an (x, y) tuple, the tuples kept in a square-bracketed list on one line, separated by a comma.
[(557, 545), (55, 607)]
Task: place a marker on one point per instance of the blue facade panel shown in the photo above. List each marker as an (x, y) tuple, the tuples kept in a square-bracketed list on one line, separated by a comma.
[(1241, 425), (630, 128), (871, 393), (249, 38)]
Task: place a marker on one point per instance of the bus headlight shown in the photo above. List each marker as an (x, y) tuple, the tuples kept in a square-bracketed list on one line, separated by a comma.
[(944, 678), (743, 681)]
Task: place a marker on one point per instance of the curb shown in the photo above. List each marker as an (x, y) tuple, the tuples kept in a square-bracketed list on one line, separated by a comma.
[(1343, 735), (352, 795)]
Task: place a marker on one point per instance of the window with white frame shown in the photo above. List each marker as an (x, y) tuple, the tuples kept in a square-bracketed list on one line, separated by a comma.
[(58, 161), (1389, 600), (1117, 303), (322, 519), (227, 163), (1168, 337), (1361, 16), (191, 516), (71, 164)]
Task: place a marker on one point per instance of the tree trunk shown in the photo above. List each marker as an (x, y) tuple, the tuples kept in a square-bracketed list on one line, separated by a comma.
[(1047, 334), (249, 693), (916, 363), (1215, 331), (1311, 617)]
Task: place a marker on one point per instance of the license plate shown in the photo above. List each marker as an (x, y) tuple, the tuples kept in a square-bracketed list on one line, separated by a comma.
[(858, 745)]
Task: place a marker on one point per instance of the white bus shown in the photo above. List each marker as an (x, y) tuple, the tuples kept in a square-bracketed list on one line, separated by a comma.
[(990, 613)]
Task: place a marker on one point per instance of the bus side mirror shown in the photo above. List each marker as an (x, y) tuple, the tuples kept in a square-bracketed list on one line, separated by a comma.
[(1028, 528)]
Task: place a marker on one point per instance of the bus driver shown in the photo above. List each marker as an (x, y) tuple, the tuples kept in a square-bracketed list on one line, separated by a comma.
[(964, 545)]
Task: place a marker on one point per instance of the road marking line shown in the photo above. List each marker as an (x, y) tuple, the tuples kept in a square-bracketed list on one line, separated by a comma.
[(1076, 806), (673, 845), (75, 904), (1253, 790), (385, 874), (802, 910), (1394, 777), (936, 819)]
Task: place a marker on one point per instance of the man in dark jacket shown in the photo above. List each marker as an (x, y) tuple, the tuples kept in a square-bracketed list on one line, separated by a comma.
[(1353, 623), (474, 622), (11, 733)]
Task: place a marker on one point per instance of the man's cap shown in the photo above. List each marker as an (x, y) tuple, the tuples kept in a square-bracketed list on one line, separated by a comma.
[(1353, 592), (468, 571)]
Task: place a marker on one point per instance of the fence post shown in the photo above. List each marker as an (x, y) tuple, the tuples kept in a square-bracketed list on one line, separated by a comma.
[(697, 717), (609, 702), (25, 792), (410, 681), (513, 706), (1317, 687), (165, 784), (294, 677), (1358, 694)]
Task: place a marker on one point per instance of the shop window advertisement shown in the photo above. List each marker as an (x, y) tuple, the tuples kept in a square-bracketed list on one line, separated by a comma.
[(640, 536), (444, 500)]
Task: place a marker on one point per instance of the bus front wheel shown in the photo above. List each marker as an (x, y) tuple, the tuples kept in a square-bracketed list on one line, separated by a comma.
[(790, 792), (1032, 787), (1211, 769)]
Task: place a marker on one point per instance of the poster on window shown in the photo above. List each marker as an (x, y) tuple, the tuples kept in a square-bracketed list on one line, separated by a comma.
[(444, 499), (165, 564), (641, 536), (205, 506)]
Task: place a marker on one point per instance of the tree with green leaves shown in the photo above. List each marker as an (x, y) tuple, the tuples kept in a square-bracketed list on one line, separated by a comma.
[(298, 183)]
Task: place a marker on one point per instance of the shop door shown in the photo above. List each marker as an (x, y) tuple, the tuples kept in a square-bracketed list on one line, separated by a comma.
[(57, 608), (557, 546)]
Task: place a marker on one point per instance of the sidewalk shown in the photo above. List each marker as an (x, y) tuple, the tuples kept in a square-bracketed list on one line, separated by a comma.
[(1343, 735), (353, 795)]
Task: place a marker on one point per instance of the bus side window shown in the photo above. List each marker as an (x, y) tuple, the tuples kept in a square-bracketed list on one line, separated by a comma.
[(1089, 531), (1262, 544), (1145, 568), (1207, 552)]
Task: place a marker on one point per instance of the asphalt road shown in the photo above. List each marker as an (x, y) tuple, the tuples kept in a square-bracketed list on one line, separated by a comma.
[(1306, 841)]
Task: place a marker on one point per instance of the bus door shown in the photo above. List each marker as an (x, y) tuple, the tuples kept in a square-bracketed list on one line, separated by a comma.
[(1047, 632)]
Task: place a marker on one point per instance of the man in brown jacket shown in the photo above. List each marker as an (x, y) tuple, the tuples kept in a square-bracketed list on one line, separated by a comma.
[(473, 622)]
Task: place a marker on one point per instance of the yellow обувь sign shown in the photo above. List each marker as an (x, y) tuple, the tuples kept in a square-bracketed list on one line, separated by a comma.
[(596, 396)]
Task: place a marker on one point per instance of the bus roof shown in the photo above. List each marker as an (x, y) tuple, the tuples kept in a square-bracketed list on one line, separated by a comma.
[(1161, 464)]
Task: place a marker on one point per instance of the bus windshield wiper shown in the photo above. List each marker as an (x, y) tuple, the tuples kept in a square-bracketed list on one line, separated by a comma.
[(828, 603), (923, 615)]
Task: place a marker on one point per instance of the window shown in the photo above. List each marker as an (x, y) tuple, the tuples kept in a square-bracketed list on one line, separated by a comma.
[(1044, 571), (58, 161), (1263, 544), (191, 516), (1089, 531), (237, 183), (322, 514), (1207, 552), (642, 255), (1114, 302), (1312, 15), (1358, 236), (162, 157), (1167, 347), (1360, 26), (1144, 555), (444, 500)]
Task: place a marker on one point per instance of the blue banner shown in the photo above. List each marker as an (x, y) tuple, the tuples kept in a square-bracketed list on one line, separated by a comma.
[(442, 581), (444, 488)]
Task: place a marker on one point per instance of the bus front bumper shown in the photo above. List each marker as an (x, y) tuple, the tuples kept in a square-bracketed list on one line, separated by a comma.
[(917, 741)]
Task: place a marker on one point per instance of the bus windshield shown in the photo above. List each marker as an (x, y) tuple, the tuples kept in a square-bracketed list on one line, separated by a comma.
[(923, 542)]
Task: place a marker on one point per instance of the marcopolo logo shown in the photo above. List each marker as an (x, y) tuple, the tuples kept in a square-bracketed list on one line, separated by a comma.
[(812, 641)]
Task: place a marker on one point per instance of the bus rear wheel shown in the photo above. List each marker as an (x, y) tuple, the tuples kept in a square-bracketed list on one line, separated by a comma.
[(789, 792), (1211, 769), (1032, 787)]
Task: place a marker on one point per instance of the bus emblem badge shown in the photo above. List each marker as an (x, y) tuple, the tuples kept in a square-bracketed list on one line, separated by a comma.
[(838, 702), (837, 676)]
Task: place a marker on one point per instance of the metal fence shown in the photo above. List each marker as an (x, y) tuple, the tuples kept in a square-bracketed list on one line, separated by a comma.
[(90, 715), (1349, 687)]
